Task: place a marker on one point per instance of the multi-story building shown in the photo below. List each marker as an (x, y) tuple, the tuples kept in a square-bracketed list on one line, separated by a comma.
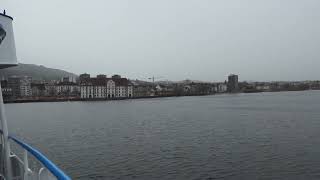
[(142, 90), (14, 84), (6, 91), (68, 79), (92, 88), (111, 89), (123, 88), (102, 87), (66, 88), (25, 87), (233, 84), (84, 77), (21, 86), (130, 90), (50, 89), (38, 89), (222, 87)]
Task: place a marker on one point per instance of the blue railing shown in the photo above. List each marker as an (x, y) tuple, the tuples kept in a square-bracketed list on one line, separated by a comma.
[(58, 173)]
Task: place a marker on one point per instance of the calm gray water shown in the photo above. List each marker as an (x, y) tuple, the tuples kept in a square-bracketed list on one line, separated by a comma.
[(244, 136)]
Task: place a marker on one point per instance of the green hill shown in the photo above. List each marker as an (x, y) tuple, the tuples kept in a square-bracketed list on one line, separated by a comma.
[(36, 72)]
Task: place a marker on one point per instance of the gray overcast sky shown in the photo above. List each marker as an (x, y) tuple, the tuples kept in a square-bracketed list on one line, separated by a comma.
[(178, 39)]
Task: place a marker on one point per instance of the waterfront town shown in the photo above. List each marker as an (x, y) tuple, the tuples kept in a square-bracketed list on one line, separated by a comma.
[(103, 87)]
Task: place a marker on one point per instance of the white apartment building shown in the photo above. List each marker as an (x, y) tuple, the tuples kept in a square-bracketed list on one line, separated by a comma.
[(87, 91), (105, 88), (111, 89), (130, 90)]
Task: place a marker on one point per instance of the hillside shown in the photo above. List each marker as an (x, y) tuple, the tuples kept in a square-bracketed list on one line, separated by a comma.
[(36, 72)]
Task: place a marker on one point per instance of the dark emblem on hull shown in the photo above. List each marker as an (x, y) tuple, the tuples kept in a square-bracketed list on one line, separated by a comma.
[(2, 34)]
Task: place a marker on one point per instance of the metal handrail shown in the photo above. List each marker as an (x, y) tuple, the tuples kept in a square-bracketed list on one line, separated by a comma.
[(58, 173)]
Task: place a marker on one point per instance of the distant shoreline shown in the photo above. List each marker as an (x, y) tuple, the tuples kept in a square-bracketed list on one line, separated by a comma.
[(78, 99), (117, 99)]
